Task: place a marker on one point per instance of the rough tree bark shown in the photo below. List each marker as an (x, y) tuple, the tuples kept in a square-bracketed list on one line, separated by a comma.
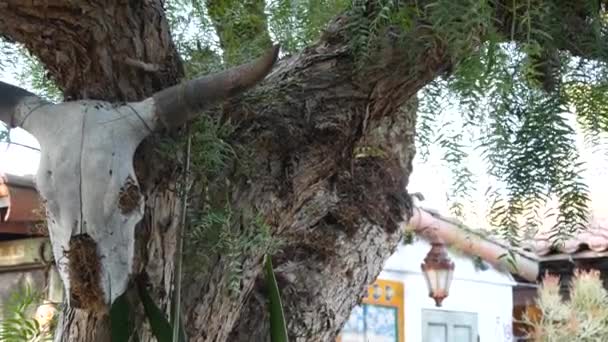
[(333, 148)]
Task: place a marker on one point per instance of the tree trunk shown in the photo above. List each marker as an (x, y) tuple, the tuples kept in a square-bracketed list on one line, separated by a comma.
[(332, 147)]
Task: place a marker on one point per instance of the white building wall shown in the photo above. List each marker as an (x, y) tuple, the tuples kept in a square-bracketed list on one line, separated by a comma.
[(487, 293)]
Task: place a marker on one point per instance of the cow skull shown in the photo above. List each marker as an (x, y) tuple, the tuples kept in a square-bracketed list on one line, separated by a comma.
[(86, 174)]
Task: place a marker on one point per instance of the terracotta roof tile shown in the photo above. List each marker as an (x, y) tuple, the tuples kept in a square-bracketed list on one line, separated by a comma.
[(594, 239)]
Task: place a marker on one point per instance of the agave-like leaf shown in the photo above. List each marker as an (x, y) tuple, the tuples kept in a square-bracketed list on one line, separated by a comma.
[(278, 327), (161, 328)]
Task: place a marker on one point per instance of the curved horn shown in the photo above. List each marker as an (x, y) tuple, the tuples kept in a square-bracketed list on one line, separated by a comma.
[(11, 98), (180, 103)]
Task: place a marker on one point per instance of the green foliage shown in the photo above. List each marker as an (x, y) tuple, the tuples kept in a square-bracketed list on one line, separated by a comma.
[(589, 98), (461, 25), (211, 151), (214, 228), (295, 24), (409, 237), (4, 132), (532, 149), (35, 74), (245, 28), (511, 101), (9, 56), (431, 104), (511, 88), (455, 156), (529, 142), (458, 25), (15, 60), (219, 232), (370, 20), (121, 324), (278, 325), (18, 324), (242, 28), (194, 36), (582, 318), (159, 324), (121, 318)]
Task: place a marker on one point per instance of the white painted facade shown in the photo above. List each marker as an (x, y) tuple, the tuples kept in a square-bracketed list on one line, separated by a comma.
[(486, 293)]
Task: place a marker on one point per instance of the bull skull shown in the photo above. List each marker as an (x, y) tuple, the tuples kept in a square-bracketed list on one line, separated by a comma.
[(86, 171)]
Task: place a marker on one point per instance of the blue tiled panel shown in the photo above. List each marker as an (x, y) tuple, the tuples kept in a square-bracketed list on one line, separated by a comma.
[(371, 323)]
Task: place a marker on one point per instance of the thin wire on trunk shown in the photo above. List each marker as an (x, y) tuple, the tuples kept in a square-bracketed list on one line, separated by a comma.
[(177, 281)]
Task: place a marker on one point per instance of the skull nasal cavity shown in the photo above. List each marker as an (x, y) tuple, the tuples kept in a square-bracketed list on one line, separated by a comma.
[(129, 196), (84, 271)]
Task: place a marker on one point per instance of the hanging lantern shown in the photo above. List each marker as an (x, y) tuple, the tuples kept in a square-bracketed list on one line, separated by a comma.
[(438, 270)]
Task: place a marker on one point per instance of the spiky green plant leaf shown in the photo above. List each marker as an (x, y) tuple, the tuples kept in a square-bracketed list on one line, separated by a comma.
[(278, 325), (160, 325), (120, 319)]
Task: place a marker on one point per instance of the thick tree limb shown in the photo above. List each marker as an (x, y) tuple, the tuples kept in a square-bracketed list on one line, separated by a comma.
[(334, 211), (84, 45)]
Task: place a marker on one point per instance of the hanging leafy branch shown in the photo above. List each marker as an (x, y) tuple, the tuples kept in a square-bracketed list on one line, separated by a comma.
[(9, 56), (455, 157), (513, 92)]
